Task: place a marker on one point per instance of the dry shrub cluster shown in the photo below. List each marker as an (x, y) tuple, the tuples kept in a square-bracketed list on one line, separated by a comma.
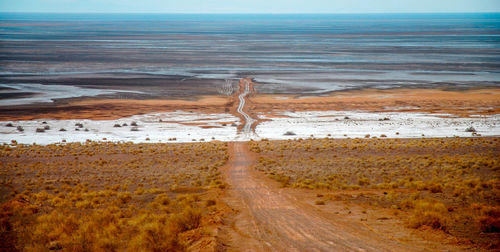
[(429, 213), (451, 184), (109, 196)]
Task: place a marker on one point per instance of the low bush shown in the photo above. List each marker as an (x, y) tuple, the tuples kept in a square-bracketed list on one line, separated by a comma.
[(319, 202), (364, 181), (489, 219), (156, 236), (397, 173), (435, 188), (429, 213), (110, 196), (470, 129), (188, 219), (210, 202)]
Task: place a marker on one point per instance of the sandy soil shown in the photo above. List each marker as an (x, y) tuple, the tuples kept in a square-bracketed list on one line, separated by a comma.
[(460, 103), (272, 219)]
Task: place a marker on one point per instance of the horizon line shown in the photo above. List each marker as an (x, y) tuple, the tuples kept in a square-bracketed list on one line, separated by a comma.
[(249, 13)]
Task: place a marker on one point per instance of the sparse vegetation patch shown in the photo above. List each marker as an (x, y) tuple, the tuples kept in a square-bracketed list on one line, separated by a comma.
[(447, 184), (109, 196)]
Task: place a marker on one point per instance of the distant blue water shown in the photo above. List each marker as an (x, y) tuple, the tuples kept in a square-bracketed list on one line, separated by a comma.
[(265, 23), (302, 53)]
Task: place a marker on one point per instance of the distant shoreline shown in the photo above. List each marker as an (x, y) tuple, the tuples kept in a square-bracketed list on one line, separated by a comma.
[(462, 103)]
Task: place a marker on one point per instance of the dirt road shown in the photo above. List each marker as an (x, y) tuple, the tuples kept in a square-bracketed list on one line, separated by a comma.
[(271, 220), (247, 128)]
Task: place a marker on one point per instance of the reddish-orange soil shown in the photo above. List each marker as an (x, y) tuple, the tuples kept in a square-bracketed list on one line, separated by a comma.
[(274, 219), (108, 109), (461, 103)]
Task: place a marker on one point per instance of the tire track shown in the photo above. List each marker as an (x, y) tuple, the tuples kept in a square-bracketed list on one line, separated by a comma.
[(246, 133), (269, 219), (276, 222)]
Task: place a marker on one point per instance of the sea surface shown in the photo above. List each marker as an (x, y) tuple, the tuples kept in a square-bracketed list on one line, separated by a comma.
[(285, 53)]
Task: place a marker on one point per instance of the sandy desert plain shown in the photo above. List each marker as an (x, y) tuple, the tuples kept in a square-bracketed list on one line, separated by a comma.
[(362, 170)]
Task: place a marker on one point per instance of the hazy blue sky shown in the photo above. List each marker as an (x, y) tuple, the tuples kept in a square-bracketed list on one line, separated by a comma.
[(250, 6)]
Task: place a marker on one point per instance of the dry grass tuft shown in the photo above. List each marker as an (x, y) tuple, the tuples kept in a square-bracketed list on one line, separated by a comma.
[(429, 213), (435, 180), (108, 196)]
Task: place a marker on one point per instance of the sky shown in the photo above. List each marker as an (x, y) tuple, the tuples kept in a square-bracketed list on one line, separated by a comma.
[(250, 6)]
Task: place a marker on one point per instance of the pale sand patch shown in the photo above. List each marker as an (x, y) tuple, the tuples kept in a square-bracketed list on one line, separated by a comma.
[(460, 103), (386, 95)]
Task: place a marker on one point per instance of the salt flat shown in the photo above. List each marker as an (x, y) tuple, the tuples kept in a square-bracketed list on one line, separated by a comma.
[(149, 127), (342, 124), (187, 126)]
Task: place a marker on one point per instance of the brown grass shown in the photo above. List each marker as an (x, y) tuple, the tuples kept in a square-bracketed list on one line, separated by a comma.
[(109, 196), (450, 184)]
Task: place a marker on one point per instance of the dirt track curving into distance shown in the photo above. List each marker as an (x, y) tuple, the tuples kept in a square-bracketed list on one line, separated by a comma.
[(271, 220), (246, 131)]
